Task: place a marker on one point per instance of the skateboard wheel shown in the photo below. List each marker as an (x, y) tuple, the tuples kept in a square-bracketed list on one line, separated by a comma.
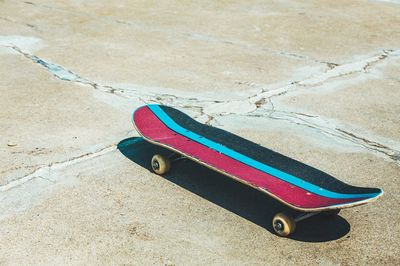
[(330, 213), (283, 224), (160, 164)]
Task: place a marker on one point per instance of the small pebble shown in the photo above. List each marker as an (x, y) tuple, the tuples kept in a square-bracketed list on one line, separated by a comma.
[(11, 144)]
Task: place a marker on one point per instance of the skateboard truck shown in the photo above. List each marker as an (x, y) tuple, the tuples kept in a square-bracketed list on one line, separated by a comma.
[(174, 157), (284, 224), (161, 164), (304, 216)]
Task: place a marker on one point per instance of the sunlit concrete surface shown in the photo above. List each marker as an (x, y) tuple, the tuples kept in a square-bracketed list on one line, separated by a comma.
[(318, 81)]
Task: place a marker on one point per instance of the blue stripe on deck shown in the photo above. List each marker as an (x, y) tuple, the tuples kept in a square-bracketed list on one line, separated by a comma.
[(169, 122)]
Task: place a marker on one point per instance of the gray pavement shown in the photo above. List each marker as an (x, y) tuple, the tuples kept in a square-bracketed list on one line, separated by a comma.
[(317, 81)]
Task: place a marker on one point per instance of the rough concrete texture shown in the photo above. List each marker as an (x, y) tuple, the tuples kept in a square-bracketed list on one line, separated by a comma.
[(315, 80)]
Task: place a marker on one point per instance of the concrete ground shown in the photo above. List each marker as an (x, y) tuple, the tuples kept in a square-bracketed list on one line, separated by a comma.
[(315, 80)]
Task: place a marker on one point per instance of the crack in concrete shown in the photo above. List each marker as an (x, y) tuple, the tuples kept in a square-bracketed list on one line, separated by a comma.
[(65, 74), (15, 168), (248, 46), (328, 128), (372, 144), (18, 22), (198, 36), (209, 109), (40, 172), (344, 70)]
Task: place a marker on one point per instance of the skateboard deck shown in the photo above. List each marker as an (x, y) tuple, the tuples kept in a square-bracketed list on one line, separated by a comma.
[(295, 184)]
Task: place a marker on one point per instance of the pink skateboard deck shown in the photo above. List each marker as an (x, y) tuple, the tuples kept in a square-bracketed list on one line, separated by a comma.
[(293, 183)]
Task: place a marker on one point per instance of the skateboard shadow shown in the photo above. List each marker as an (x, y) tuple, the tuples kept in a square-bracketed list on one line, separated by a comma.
[(234, 196)]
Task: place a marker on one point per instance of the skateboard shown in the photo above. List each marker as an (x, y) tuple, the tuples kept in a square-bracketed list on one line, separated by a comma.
[(297, 185)]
